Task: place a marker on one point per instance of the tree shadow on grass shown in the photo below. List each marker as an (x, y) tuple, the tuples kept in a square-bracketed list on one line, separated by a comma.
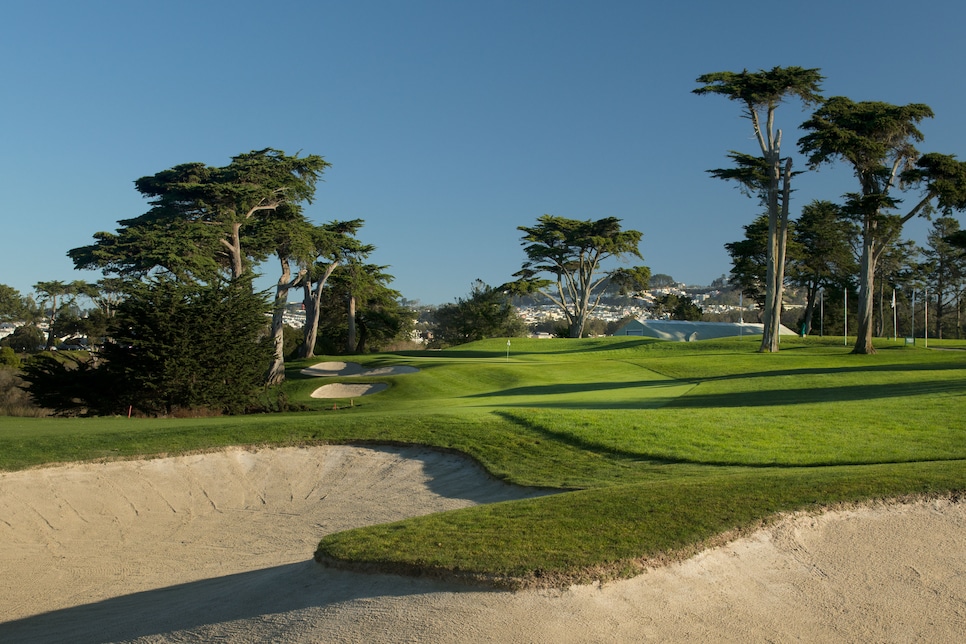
[(813, 395), (586, 346), (833, 371), (652, 394), (576, 388), (582, 444)]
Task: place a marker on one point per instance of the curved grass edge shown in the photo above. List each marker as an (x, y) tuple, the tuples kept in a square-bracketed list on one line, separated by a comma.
[(606, 534)]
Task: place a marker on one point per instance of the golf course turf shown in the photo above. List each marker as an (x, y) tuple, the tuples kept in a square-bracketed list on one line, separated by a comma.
[(652, 449)]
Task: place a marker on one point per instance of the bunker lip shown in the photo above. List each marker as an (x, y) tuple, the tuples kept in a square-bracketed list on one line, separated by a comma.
[(218, 546)]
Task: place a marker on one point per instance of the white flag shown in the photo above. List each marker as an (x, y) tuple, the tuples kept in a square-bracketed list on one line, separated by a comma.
[(893, 298)]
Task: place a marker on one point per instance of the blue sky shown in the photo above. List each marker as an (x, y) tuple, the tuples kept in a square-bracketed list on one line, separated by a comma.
[(447, 123)]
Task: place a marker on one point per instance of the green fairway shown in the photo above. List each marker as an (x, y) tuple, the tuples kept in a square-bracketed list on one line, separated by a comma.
[(659, 447)]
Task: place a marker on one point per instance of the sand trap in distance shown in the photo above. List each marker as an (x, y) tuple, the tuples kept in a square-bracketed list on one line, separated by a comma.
[(342, 390), (332, 369)]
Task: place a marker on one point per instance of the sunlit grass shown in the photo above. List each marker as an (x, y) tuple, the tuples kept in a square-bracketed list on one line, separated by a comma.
[(662, 445)]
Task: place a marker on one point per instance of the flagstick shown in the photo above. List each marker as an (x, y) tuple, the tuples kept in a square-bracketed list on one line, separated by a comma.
[(895, 330)]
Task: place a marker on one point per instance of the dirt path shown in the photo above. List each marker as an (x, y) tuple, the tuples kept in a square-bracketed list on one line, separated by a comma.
[(219, 546)]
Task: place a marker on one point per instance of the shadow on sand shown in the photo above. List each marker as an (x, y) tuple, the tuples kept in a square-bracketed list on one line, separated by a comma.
[(204, 610), (199, 607)]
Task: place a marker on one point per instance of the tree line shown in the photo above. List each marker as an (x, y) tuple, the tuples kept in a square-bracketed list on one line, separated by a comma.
[(208, 228), (178, 296), (875, 140), (853, 244)]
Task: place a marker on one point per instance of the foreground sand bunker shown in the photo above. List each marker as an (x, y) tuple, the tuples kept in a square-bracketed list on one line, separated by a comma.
[(344, 390), (79, 533), (218, 546)]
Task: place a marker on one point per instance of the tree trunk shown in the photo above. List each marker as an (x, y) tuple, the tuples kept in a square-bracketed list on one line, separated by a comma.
[(235, 251), (880, 320), (959, 317), (311, 329), (775, 262), (363, 336), (312, 301), (812, 293), (768, 312), (940, 308), (577, 320), (863, 339), (782, 249), (50, 323), (276, 372), (350, 343)]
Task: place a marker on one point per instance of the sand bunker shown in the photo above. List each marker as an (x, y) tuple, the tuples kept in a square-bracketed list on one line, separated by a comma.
[(219, 546), (330, 369), (341, 390)]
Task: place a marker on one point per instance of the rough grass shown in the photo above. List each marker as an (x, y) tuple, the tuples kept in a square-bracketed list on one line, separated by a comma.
[(14, 401)]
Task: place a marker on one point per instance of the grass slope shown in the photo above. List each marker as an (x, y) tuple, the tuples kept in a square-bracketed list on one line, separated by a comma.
[(662, 447)]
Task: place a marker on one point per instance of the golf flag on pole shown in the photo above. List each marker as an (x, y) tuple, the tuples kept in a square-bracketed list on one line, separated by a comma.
[(895, 319)]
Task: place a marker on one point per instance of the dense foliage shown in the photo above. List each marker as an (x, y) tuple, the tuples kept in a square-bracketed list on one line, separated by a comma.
[(573, 253), (485, 313), (13, 306), (175, 347), (676, 307)]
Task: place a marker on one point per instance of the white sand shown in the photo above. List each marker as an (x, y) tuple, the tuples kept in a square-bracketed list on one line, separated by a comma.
[(342, 390), (219, 546), (332, 369), (347, 390)]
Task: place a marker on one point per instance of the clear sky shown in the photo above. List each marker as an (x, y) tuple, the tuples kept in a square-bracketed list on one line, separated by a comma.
[(448, 123)]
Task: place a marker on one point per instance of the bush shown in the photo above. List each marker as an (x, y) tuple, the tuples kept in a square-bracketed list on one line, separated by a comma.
[(24, 339), (66, 382), (181, 346), (292, 341), (485, 313), (9, 358), (14, 400), (176, 349)]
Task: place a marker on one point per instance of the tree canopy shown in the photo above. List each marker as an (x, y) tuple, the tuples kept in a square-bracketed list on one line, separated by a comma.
[(205, 221), (13, 305), (209, 223), (769, 175), (944, 270), (485, 313), (878, 141), (749, 260), (573, 252), (334, 245), (55, 294), (822, 254), (676, 307), (359, 311)]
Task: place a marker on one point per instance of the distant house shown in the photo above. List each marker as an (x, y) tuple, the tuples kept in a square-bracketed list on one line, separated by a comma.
[(6, 329), (685, 331)]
